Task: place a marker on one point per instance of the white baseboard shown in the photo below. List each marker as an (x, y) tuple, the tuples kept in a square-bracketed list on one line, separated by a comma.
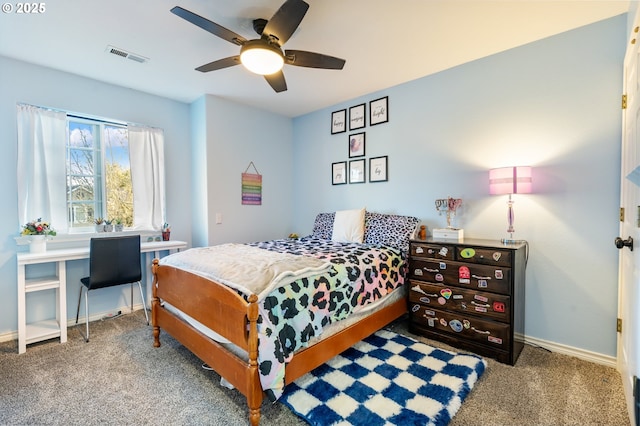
[(594, 357), (606, 360), (71, 322)]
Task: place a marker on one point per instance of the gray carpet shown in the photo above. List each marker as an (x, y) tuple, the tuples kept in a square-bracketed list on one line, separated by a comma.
[(119, 378)]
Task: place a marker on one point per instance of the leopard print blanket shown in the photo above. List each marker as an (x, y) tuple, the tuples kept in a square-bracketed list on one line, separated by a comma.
[(291, 315)]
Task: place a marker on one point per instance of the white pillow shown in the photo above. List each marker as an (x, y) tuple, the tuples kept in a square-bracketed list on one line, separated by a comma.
[(348, 226)]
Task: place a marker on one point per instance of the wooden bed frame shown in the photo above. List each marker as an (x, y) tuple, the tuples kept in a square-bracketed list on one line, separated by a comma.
[(224, 311)]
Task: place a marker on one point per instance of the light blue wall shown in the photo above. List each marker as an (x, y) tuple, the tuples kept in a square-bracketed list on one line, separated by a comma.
[(22, 82), (199, 203), (207, 146), (237, 135), (552, 104)]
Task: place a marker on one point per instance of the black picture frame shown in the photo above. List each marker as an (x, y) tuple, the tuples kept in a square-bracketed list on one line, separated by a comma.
[(357, 171), (379, 169), (379, 111), (339, 121), (356, 145), (339, 173), (358, 117)]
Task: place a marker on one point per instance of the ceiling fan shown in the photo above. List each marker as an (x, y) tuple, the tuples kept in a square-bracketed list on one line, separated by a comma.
[(264, 55)]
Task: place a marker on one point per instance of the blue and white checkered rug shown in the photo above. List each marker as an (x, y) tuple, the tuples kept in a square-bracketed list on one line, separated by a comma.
[(385, 379)]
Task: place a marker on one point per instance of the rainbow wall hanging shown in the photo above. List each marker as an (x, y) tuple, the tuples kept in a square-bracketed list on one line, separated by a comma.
[(252, 186)]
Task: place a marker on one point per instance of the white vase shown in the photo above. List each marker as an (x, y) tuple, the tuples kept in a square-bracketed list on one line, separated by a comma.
[(38, 244)]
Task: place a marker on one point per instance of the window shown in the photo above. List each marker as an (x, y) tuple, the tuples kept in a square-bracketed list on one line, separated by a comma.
[(98, 173), (72, 170)]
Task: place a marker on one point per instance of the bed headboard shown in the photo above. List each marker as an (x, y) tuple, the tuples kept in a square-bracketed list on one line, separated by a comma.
[(379, 228)]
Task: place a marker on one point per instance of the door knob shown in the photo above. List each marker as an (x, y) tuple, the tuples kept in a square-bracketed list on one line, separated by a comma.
[(620, 243)]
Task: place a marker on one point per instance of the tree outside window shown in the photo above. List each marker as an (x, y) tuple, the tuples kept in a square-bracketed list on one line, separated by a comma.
[(98, 173)]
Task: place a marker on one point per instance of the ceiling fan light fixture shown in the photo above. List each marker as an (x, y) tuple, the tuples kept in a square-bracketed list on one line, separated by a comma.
[(260, 57), (264, 55)]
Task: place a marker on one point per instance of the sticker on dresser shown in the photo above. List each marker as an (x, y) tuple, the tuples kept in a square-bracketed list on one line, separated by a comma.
[(467, 253), (456, 325), (464, 275), (446, 293)]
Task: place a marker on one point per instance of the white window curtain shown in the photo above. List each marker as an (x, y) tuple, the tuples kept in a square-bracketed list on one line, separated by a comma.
[(146, 154), (41, 166)]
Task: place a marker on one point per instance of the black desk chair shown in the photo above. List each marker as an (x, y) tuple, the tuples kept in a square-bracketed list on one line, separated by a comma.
[(112, 261)]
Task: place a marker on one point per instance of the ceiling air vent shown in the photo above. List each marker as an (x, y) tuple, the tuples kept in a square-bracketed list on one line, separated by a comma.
[(123, 53)]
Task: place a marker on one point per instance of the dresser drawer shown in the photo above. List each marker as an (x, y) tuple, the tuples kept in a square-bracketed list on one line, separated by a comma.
[(434, 251), (490, 333), (467, 275), (484, 256), (452, 298)]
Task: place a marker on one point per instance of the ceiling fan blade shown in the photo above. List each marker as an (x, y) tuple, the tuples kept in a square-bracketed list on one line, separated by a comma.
[(210, 26), (284, 22), (276, 81), (302, 58), (219, 64)]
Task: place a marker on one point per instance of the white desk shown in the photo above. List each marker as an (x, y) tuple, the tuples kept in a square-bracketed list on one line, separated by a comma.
[(49, 329)]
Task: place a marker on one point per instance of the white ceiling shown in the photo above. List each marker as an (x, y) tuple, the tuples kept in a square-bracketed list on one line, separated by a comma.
[(384, 42)]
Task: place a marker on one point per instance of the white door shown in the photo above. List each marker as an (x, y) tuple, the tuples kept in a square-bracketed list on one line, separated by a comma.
[(629, 273)]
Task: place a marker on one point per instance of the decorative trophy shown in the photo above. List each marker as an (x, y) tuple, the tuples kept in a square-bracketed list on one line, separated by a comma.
[(448, 206)]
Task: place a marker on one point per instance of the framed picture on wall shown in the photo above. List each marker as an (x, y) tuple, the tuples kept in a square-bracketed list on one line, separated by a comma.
[(357, 117), (357, 171), (378, 169), (356, 145), (379, 111), (339, 121), (339, 173)]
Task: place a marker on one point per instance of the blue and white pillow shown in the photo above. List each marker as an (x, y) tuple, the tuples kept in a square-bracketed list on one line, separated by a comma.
[(323, 226), (389, 230)]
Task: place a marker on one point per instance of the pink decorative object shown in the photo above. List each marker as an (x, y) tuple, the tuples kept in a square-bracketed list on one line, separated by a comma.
[(449, 207)]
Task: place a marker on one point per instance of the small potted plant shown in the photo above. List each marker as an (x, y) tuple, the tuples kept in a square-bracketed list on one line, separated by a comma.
[(38, 231), (99, 224), (166, 232), (108, 227), (118, 225)]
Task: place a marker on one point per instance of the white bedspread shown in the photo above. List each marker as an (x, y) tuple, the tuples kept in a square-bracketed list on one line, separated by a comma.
[(246, 268)]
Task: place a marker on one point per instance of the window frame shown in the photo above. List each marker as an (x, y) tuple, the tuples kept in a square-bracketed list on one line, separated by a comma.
[(99, 203)]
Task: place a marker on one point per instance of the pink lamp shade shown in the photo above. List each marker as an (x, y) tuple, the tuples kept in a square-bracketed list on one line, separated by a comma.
[(510, 180)]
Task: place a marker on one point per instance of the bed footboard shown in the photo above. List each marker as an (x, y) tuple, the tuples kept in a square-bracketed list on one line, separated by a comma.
[(228, 314), (220, 309)]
